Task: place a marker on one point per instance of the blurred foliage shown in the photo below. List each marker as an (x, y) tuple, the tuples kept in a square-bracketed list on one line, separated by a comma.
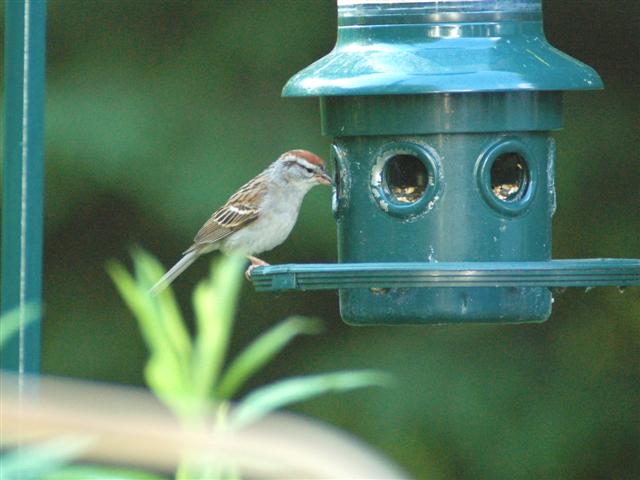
[(51, 459), (187, 373), (11, 322), (157, 110)]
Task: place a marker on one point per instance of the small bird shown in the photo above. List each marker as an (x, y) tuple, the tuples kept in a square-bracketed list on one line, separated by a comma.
[(259, 216)]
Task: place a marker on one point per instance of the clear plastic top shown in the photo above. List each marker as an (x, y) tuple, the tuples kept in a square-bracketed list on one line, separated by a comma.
[(358, 12), (401, 47), (455, 5)]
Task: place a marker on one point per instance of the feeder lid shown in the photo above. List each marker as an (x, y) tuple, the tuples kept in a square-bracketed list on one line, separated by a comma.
[(398, 47)]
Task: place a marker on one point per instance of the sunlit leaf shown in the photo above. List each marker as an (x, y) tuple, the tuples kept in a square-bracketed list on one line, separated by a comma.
[(38, 460), (214, 302), (140, 305), (271, 397), (172, 374), (202, 467), (165, 382), (149, 271), (262, 350), (88, 472), (10, 322)]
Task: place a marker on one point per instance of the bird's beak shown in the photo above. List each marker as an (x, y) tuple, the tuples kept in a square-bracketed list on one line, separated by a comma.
[(324, 178)]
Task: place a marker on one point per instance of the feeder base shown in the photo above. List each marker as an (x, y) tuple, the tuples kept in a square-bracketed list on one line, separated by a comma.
[(413, 306), (452, 292)]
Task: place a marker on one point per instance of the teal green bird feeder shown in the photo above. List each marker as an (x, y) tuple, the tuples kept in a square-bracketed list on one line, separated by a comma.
[(441, 115)]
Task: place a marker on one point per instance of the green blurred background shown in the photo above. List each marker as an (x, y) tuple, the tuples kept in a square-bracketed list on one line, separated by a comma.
[(158, 110)]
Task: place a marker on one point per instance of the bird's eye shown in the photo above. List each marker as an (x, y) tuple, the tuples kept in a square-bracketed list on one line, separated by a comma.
[(309, 170)]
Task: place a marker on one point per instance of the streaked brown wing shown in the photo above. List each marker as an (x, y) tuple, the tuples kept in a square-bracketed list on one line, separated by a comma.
[(241, 209)]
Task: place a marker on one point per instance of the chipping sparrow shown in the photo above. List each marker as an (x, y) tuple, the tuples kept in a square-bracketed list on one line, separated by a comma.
[(259, 216)]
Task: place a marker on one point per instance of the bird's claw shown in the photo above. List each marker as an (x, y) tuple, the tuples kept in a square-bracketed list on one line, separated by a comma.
[(248, 271), (255, 262)]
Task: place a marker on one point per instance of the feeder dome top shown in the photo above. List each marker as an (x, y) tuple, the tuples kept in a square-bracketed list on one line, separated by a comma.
[(445, 46)]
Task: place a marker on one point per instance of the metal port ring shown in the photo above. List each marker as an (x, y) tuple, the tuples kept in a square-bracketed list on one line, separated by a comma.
[(381, 183)]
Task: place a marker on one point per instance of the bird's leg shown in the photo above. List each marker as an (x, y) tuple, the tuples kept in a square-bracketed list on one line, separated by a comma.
[(255, 262)]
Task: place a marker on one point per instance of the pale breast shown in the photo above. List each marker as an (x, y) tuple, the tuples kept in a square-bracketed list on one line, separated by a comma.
[(277, 219)]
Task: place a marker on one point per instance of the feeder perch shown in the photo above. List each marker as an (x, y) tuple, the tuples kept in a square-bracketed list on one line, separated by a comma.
[(441, 115)]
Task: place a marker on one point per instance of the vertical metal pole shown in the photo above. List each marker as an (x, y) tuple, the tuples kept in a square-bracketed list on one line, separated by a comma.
[(23, 172)]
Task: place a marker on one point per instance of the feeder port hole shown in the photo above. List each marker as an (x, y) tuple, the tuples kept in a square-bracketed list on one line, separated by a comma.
[(406, 178), (509, 177)]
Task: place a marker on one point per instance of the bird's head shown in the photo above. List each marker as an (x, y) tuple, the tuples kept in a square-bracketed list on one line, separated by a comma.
[(303, 168)]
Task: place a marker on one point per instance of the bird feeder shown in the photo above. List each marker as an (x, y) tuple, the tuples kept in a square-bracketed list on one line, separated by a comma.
[(441, 115)]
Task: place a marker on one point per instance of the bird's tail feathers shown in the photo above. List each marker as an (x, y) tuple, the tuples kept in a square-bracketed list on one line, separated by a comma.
[(182, 264)]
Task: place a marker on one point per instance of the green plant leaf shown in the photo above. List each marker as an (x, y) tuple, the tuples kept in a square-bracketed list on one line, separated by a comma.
[(269, 398), (89, 472), (10, 322), (165, 385), (141, 307), (214, 302), (149, 270), (37, 460), (172, 376), (262, 350), (198, 467)]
